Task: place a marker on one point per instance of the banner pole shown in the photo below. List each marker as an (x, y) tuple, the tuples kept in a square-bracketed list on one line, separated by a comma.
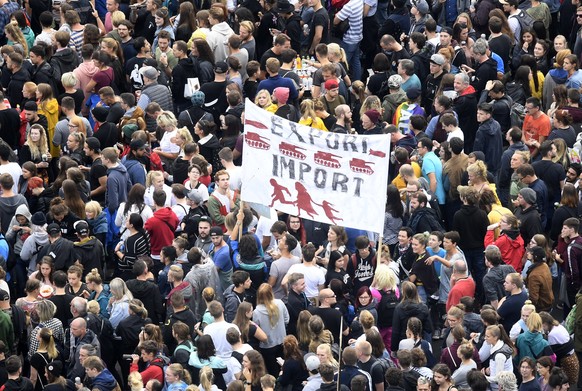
[(339, 358), (379, 252), (240, 229)]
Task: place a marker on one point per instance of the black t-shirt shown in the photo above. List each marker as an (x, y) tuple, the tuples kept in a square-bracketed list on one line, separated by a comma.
[(132, 67), (63, 304), (128, 50), (268, 54), (320, 18), (39, 361), (551, 173), (531, 385), (502, 47), (78, 96), (98, 170), (331, 319), (116, 112), (375, 372)]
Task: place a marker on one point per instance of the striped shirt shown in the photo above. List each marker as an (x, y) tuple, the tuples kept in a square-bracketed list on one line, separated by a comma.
[(354, 12)]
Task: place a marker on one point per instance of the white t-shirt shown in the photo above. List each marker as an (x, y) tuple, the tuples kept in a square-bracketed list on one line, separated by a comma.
[(166, 145), (313, 275), (15, 171), (217, 331), (235, 181), (456, 133), (264, 229)]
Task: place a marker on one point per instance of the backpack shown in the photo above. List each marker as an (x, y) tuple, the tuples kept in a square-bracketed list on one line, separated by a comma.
[(191, 350), (517, 114), (388, 304), (524, 19), (385, 364), (85, 10)]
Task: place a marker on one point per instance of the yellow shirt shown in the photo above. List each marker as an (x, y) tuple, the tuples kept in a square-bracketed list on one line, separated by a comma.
[(497, 212), (399, 182), (537, 93), (316, 123), (50, 109)]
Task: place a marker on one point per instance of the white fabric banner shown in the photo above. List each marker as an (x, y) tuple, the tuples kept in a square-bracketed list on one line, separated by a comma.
[(333, 178)]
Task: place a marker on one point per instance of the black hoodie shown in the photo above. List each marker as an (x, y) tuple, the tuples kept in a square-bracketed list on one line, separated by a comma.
[(63, 61), (185, 69), (402, 313), (20, 384), (14, 89), (185, 316), (150, 296), (91, 253)]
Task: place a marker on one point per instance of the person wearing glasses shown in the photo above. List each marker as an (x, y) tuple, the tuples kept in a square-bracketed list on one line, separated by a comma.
[(330, 315)]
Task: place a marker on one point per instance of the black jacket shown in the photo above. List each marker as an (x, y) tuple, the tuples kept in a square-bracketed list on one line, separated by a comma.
[(64, 61), (61, 251), (91, 253), (402, 313), (186, 316), (472, 222), (150, 296), (484, 72), (14, 90), (466, 108), (425, 220), (295, 304), (44, 73), (128, 329), (294, 31), (20, 384), (185, 69), (505, 171)]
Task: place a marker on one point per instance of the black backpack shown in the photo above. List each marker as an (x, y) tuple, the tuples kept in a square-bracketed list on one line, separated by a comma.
[(525, 20)]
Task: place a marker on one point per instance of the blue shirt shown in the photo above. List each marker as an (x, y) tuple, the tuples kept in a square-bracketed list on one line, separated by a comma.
[(500, 66), (441, 253), (431, 163), (221, 258), (412, 82), (272, 82)]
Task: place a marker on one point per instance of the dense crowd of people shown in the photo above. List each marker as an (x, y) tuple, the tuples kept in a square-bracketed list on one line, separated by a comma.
[(129, 262)]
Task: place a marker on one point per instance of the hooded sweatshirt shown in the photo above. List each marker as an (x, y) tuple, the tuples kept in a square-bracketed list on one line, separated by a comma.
[(186, 68), (510, 244), (50, 109), (63, 61), (161, 227), (20, 384), (32, 246), (18, 236), (489, 140), (90, 252), (104, 381), (8, 207), (118, 185), (473, 222), (149, 294), (219, 33), (402, 313)]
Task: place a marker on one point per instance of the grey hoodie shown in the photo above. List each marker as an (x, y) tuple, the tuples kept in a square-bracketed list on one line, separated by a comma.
[(275, 333), (218, 35), (8, 206), (16, 236), (32, 246)]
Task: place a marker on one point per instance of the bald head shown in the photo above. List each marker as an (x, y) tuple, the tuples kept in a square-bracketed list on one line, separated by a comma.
[(460, 267), (78, 327), (78, 306), (341, 110), (326, 298)]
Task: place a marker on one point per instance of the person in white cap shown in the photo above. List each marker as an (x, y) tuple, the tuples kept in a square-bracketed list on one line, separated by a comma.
[(314, 380)]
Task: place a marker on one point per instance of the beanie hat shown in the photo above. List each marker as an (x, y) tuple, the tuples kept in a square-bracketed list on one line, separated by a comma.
[(529, 195), (374, 115), (198, 98), (281, 94)]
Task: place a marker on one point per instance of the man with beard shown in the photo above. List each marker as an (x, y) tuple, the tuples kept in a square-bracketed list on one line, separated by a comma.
[(124, 29), (422, 218), (343, 123), (204, 242), (134, 162)]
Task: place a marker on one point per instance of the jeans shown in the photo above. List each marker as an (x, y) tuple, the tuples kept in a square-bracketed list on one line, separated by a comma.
[(353, 58), (476, 263)]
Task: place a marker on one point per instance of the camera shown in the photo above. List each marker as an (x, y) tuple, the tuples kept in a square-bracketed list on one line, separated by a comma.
[(128, 357)]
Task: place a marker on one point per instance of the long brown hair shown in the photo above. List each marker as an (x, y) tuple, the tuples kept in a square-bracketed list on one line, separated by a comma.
[(242, 321), (73, 198), (266, 298)]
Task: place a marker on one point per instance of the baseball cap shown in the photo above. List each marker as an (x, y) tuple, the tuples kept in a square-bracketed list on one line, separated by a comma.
[(394, 81), (311, 362), (53, 228), (221, 67), (438, 59), (216, 231), (81, 227), (150, 72), (93, 143), (137, 144), (331, 84), (195, 195), (4, 296)]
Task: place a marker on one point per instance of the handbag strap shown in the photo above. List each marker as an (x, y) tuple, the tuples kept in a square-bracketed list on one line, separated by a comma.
[(451, 355)]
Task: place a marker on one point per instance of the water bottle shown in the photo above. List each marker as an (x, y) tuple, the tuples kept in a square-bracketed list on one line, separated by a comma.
[(77, 380)]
